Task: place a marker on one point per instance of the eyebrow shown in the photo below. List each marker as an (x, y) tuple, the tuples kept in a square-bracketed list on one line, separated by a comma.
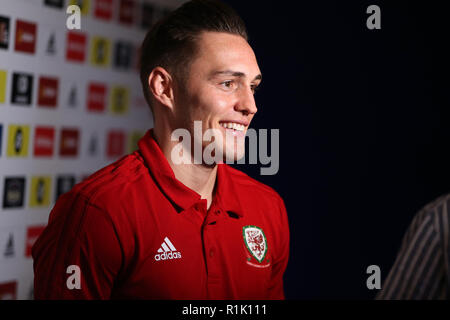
[(233, 73)]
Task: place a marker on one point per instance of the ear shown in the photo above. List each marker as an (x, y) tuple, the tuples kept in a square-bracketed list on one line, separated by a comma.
[(160, 84)]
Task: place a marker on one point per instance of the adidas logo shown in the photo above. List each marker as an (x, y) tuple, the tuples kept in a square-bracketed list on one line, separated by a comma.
[(167, 251)]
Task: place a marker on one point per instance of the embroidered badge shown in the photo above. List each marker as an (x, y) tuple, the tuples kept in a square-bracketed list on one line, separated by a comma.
[(255, 241)]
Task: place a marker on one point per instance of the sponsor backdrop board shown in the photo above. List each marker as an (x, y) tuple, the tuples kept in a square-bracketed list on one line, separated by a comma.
[(70, 103)]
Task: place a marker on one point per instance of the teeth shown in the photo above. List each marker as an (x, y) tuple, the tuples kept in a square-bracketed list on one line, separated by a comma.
[(233, 125)]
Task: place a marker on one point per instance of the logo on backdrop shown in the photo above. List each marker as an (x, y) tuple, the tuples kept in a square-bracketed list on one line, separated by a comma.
[(13, 192), (18, 139), (123, 53), (126, 11), (25, 36), (119, 100), (32, 234), (4, 32), (64, 183), (44, 140), (8, 290), (48, 92), (54, 3), (72, 100), (68, 145), (100, 51), (7, 249), (93, 145), (40, 191), (82, 4), (96, 97), (103, 9), (3, 76), (76, 46), (50, 41), (51, 45), (22, 88)]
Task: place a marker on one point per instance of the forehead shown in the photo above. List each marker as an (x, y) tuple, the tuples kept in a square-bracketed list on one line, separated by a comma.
[(217, 50)]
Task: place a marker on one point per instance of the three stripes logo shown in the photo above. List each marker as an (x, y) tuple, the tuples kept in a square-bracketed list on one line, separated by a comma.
[(167, 251)]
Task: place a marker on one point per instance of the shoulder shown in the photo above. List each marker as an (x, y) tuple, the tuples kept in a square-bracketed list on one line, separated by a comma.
[(434, 217), (436, 211), (105, 204), (113, 181)]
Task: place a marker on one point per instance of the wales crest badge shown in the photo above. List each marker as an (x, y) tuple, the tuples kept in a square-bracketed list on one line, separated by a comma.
[(255, 241)]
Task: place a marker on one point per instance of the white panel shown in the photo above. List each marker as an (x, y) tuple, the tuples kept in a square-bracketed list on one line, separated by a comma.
[(73, 79)]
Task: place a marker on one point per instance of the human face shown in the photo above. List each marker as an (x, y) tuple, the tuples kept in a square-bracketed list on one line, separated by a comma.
[(219, 91)]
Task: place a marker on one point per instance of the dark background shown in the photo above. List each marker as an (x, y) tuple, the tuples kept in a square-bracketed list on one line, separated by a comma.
[(364, 125)]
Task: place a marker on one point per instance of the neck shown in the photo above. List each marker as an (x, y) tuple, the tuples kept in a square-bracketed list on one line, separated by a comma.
[(198, 177)]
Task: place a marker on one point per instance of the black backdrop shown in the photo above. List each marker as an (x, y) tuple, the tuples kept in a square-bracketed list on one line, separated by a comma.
[(364, 125)]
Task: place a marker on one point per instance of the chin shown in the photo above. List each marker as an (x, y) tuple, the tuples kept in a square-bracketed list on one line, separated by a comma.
[(234, 155)]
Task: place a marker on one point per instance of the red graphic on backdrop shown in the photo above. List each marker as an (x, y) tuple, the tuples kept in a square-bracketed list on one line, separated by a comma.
[(103, 9), (48, 92), (25, 36), (126, 11), (69, 142), (8, 290), (76, 46), (44, 138), (96, 97)]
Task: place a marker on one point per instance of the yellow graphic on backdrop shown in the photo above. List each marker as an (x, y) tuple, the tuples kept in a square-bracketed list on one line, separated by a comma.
[(40, 191), (119, 100), (18, 140), (83, 4), (100, 51), (2, 86)]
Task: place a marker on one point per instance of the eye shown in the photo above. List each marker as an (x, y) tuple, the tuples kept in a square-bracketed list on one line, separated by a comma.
[(255, 88), (228, 84)]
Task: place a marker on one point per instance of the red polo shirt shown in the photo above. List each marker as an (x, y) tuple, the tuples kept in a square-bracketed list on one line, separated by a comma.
[(136, 232)]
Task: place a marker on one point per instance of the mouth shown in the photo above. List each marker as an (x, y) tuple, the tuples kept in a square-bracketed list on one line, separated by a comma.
[(234, 125)]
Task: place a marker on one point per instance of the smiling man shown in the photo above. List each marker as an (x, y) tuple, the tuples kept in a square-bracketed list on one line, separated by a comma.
[(151, 227)]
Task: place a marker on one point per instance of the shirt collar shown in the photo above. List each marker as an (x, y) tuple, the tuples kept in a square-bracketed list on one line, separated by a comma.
[(227, 195)]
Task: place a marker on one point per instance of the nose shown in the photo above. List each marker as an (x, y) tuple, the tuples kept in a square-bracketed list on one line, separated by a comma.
[(246, 103)]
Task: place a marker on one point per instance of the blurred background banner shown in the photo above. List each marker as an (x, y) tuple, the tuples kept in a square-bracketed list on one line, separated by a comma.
[(70, 103)]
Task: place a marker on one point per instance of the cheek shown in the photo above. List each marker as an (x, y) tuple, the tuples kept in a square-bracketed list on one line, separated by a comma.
[(212, 107)]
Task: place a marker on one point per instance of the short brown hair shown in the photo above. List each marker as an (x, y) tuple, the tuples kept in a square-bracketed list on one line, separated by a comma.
[(171, 42)]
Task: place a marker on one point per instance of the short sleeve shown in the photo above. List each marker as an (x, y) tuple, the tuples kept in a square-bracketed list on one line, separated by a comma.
[(276, 287), (79, 246)]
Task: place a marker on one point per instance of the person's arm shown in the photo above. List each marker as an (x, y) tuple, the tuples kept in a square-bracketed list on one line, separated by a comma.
[(81, 235), (276, 288), (420, 270)]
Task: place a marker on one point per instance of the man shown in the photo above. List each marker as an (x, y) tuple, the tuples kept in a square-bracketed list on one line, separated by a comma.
[(422, 268), (162, 223)]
